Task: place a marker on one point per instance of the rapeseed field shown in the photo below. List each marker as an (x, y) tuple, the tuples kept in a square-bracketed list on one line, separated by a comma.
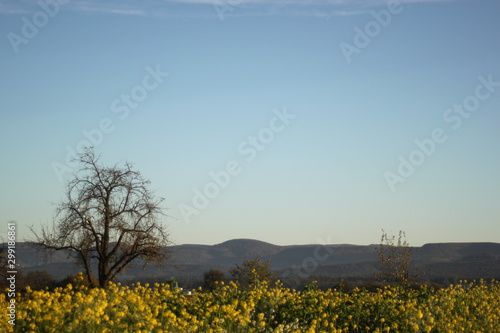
[(467, 307)]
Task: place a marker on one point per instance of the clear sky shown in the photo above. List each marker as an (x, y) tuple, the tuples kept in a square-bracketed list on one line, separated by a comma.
[(320, 121)]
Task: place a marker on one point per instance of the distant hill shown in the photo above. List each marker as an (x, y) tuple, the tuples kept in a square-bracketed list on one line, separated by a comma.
[(439, 261)]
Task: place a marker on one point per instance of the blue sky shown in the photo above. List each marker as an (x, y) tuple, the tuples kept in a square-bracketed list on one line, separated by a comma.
[(316, 106)]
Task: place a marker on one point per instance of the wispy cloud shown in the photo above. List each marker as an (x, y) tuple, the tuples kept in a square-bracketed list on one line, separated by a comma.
[(106, 8), (364, 3), (171, 8), (12, 7)]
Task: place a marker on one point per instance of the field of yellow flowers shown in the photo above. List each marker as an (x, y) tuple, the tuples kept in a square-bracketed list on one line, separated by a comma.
[(468, 307)]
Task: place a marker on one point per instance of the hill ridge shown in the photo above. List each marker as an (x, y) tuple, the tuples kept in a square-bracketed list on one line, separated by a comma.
[(461, 260)]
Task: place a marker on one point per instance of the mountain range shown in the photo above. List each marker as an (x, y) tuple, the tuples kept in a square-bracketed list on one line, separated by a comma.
[(433, 262)]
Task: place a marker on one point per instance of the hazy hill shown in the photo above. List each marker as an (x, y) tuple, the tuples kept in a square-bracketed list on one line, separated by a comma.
[(190, 261)]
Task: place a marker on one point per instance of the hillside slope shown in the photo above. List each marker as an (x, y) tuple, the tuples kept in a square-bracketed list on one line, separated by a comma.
[(190, 261)]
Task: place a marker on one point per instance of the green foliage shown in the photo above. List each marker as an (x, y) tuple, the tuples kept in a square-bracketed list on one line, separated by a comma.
[(172, 282), (39, 280), (211, 278), (311, 287), (78, 281), (253, 272)]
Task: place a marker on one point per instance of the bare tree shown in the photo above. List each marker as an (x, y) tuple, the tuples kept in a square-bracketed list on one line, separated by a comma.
[(394, 258), (109, 219)]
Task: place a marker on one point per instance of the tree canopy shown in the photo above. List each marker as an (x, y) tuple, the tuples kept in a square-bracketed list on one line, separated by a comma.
[(108, 219)]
